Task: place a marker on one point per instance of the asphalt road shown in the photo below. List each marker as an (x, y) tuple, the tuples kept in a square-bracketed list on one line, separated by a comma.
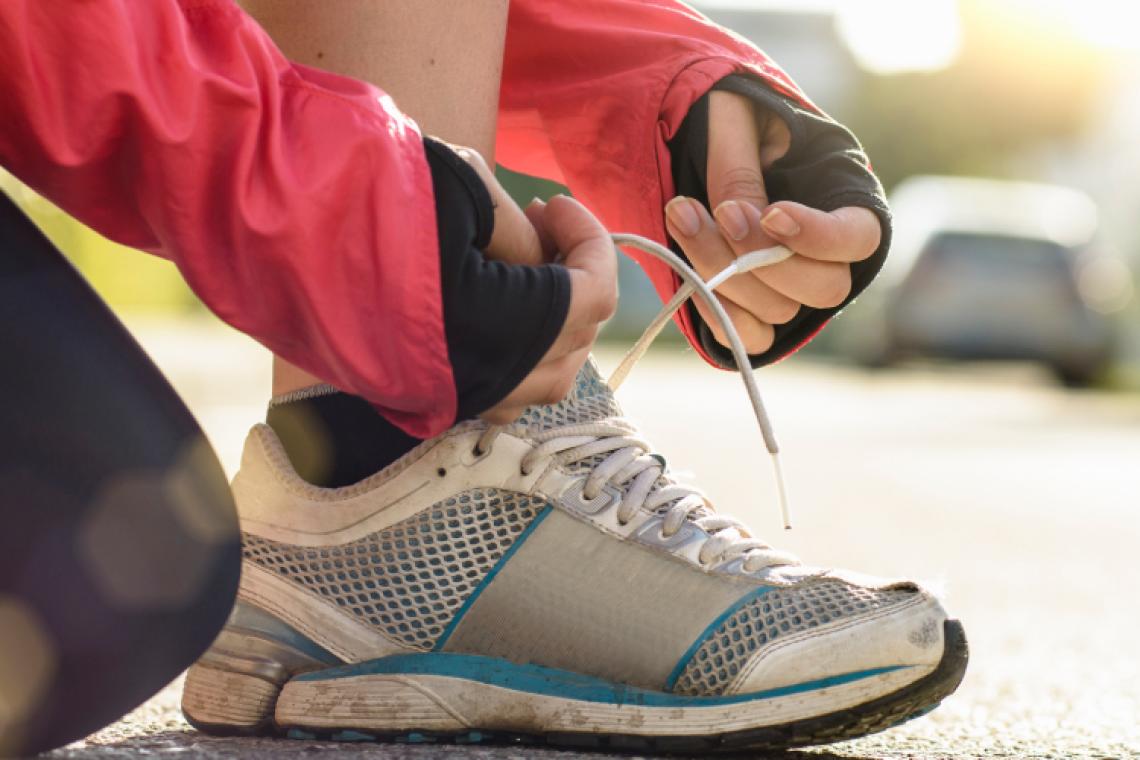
[(1021, 502)]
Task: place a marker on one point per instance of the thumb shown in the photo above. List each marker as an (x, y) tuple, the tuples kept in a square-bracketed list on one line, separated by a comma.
[(580, 238), (535, 210), (734, 162), (514, 239), (587, 250)]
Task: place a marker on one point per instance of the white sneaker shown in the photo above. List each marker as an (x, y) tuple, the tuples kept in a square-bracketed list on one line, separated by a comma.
[(549, 581)]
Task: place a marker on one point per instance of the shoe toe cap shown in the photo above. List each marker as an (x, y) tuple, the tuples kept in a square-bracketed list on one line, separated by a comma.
[(825, 629), (904, 634)]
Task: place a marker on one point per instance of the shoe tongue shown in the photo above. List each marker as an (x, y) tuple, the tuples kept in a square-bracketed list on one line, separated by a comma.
[(591, 399)]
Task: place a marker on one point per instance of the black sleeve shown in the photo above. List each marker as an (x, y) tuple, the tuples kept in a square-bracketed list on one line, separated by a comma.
[(825, 168), (499, 319)]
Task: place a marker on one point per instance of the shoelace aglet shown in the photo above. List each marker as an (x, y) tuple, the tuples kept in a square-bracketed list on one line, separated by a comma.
[(782, 491)]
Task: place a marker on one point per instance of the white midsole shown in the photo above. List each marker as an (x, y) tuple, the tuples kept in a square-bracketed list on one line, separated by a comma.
[(387, 703)]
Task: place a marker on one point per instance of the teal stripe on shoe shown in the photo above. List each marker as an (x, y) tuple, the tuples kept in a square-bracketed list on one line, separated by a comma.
[(483, 584), (710, 629), (535, 679), (247, 617)]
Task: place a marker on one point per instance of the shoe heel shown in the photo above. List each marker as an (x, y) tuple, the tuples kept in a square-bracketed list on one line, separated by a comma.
[(233, 689), (226, 702)]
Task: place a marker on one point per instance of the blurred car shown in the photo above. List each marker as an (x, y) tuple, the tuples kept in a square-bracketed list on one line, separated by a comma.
[(986, 269)]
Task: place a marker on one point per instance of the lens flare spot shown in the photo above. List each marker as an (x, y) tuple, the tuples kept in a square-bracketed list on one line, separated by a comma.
[(27, 665)]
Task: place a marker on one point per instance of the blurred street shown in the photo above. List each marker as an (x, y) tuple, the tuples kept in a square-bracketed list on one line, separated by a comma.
[(1017, 499)]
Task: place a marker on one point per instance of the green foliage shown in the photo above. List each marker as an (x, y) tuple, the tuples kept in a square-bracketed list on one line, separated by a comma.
[(126, 278), (523, 187), (1015, 85)]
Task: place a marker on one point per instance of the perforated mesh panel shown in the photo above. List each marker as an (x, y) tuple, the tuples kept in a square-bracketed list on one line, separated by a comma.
[(410, 579), (768, 617), (590, 399)]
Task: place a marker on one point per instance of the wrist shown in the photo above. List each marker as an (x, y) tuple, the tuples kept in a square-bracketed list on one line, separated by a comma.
[(499, 318)]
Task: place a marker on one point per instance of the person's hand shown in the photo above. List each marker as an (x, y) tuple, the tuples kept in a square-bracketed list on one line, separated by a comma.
[(515, 239), (579, 242), (561, 231), (742, 144)]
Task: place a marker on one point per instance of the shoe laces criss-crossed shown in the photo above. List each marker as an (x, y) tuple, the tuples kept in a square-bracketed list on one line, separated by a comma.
[(621, 457)]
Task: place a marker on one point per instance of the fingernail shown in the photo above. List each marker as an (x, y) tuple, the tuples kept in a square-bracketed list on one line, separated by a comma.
[(732, 220), (779, 223), (683, 216)]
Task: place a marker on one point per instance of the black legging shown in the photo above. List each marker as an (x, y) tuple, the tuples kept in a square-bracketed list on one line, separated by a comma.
[(119, 549)]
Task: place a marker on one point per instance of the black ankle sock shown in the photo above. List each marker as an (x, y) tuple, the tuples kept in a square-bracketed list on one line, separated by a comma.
[(336, 439)]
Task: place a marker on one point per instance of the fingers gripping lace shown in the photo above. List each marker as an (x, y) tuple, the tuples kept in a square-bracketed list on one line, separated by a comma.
[(642, 477)]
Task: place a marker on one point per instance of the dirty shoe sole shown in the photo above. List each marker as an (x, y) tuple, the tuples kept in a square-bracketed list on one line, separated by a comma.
[(471, 699)]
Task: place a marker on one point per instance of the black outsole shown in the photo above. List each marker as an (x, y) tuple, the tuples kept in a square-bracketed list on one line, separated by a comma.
[(911, 701)]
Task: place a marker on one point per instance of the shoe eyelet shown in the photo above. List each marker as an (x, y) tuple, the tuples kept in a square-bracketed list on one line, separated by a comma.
[(442, 472), (474, 455)]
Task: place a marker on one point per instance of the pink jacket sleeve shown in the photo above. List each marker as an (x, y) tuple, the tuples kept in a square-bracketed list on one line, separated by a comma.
[(593, 89), (297, 204)]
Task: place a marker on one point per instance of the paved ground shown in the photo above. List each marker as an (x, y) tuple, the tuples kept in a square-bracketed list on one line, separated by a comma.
[(1018, 500)]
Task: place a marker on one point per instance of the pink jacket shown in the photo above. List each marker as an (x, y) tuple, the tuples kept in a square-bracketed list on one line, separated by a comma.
[(298, 204)]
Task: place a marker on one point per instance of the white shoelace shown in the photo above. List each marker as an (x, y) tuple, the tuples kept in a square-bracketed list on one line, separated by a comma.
[(694, 285), (630, 464)]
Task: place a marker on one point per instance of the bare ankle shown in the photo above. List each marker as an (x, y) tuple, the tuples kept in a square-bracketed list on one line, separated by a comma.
[(288, 378)]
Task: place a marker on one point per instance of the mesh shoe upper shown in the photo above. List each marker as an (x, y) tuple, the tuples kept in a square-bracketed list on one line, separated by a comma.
[(409, 580), (779, 612), (483, 571), (589, 400)]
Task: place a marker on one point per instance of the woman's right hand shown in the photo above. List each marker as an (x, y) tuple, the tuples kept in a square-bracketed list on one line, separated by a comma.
[(564, 232)]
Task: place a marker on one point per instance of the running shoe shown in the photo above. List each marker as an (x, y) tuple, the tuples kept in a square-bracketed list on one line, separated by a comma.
[(550, 581)]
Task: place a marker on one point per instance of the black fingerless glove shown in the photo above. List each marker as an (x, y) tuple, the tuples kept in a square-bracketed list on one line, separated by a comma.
[(499, 319), (824, 168)]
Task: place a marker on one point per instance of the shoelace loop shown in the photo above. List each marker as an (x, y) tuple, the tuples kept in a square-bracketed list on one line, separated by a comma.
[(694, 285), (631, 464)]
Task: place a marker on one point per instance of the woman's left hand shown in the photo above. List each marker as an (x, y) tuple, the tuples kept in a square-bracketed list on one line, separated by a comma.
[(742, 144)]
